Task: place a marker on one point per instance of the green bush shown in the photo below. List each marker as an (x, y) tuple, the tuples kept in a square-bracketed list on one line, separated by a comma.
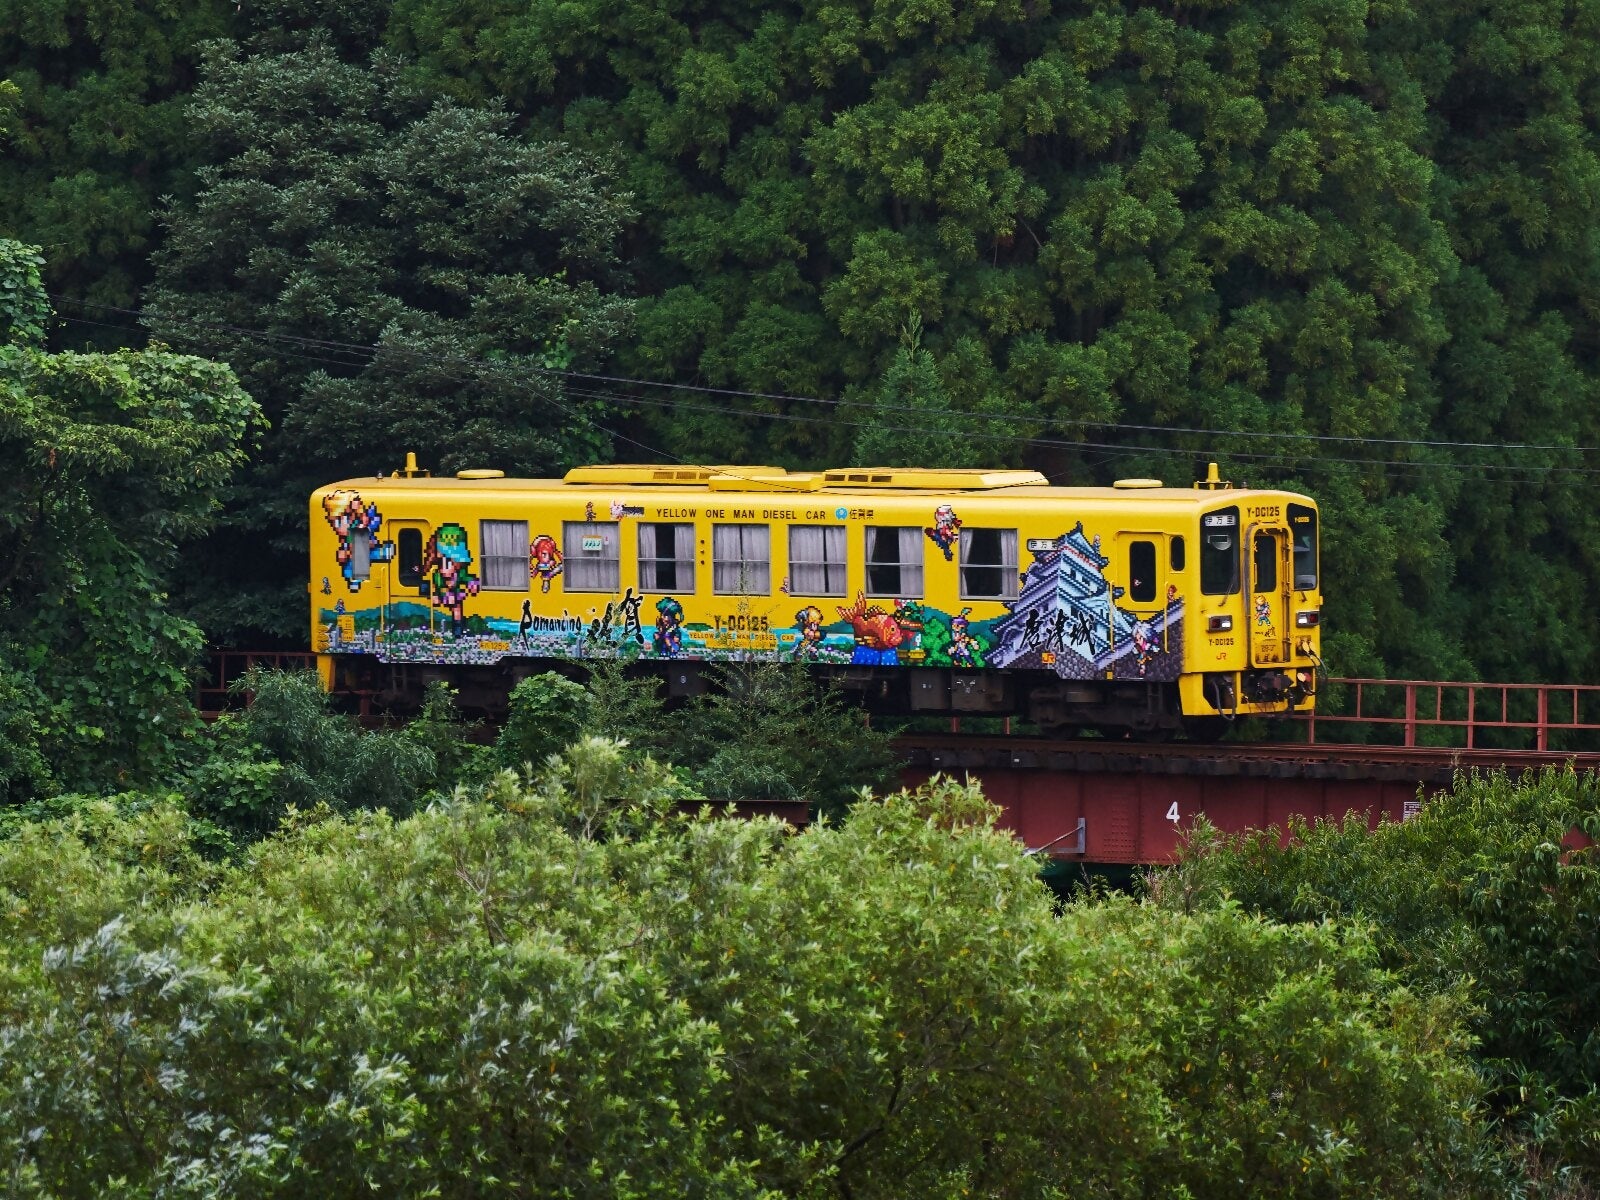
[(287, 750), (1478, 897), (546, 712), (561, 988)]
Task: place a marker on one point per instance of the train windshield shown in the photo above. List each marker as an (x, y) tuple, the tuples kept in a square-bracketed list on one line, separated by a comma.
[(1303, 529), (1219, 552)]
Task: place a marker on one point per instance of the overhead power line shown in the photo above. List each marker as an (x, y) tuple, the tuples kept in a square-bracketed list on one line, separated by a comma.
[(355, 355)]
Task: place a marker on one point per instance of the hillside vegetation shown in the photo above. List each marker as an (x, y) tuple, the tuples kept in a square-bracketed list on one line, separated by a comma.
[(1353, 241)]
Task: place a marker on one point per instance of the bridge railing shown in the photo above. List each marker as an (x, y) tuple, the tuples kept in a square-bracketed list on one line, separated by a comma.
[(1433, 713), (1405, 712), (213, 694)]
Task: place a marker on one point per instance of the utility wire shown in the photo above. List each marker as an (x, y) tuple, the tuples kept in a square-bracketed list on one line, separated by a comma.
[(374, 355), (1023, 418), (483, 365), (1399, 469), (1409, 468)]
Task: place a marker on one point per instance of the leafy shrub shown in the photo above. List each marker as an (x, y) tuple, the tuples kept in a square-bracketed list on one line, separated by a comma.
[(287, 750), (768, 732), (1477, 895), (546, 712), (563, 989)]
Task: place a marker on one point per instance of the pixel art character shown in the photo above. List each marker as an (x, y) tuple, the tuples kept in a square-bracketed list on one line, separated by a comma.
[(668, 639), (878, 634), (351, 519), (446, 560), (944, 531), (544, 559), (1144, 647), (809, 622), (963, 646)]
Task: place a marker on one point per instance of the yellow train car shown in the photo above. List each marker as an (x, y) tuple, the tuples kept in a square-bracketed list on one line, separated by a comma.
[(1135, 606)]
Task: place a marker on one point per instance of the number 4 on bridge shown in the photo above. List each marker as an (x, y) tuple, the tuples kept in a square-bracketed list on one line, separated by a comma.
[(1172, 813)]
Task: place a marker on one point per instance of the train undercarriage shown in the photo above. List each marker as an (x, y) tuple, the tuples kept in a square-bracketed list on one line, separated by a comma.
[(1056, 706)]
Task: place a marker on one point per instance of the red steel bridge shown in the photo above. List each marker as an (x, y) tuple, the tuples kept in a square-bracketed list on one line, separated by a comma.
[(1375, 748)]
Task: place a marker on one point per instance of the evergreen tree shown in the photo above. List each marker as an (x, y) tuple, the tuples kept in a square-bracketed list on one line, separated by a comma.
[(911, 421), (97, 134), (343, 204)]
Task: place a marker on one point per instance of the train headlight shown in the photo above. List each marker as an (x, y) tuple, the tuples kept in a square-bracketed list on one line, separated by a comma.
[(1308, 618), (1218, 624)]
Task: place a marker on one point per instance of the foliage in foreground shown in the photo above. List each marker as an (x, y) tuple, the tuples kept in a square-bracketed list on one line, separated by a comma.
[(767, 734), (1476, 895), (559, 989), (763, 731)]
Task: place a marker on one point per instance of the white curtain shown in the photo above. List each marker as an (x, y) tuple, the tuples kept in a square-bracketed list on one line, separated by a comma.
[(505, 555), (741, 560), (988, 564), (894, 561), (594, 569), (666, 558), (816, 560)]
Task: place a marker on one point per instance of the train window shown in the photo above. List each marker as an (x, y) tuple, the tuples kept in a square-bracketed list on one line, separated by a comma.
[(1303, 529), (988, 564), (666, 557), (741, 560), (1177, 549), (589, 558), (1141, 572), (894, 561), (505, 555), (409, 545), (1266, 562), (816, 560), (1219, 552)]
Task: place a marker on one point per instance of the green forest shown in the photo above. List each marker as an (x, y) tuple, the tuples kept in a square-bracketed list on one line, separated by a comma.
[(249, 247)]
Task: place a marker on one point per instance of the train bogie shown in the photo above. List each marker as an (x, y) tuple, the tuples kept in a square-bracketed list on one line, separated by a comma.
[(1130, 607)]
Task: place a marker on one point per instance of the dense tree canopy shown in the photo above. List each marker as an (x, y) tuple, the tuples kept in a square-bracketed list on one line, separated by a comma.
[(1312, 220), (1345, 220), (108, 462), (98, 132), (1486, 892), (339, 201)]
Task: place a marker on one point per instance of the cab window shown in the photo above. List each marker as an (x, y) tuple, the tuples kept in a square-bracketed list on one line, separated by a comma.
[(1303, 529), (505, 555), (666, 557), (590, 556), (360, 567), (816, 560), (1219, 552), (741, 560), (894, 561)]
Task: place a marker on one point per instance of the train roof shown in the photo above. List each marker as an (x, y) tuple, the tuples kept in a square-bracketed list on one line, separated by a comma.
[(775, 483)]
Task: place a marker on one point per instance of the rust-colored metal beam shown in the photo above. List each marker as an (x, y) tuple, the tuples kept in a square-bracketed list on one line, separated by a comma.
[(1137, 801)]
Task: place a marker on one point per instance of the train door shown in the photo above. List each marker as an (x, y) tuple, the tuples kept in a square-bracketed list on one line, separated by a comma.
[(405, 593), (1269, 597), (1142, 560)]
